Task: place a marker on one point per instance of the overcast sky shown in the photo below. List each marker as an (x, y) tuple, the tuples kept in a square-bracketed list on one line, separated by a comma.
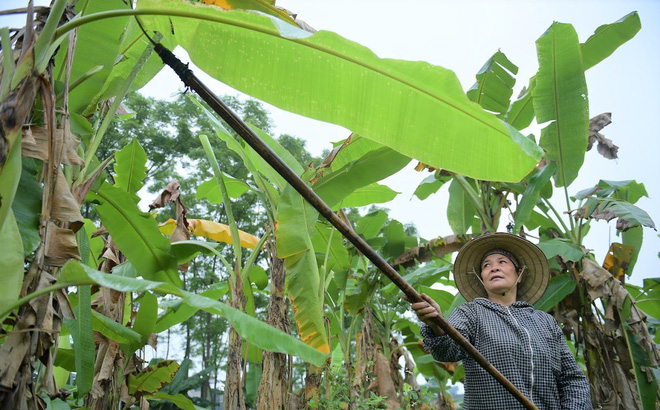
[(461, 36)]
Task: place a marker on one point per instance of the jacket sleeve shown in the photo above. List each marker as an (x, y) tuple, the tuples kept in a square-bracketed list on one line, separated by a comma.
[(444, 348), (572, 383)]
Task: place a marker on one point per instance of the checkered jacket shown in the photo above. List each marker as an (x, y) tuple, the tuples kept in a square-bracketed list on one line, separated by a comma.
[(524, 344)]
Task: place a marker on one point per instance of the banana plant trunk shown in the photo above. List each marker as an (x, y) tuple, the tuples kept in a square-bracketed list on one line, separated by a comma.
[(374, 366), (233, 395), (611, 365), (312, 383), (272, 391)]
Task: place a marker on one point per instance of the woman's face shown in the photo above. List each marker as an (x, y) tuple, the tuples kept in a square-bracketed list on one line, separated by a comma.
[(498, 273)]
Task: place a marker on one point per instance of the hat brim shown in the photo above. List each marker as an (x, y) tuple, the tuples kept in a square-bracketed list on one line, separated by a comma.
[(536, 274)]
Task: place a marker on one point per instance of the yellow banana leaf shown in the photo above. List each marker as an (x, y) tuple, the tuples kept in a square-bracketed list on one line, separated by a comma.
[(211, 230)]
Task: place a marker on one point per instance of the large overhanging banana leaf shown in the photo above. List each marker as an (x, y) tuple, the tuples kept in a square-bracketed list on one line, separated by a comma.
[(415, 108)]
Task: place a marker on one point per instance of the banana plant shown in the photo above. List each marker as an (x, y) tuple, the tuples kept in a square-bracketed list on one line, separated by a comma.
[(557, 95)]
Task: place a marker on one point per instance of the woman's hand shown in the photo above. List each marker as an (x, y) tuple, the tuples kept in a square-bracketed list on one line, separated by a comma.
[(426, 311)]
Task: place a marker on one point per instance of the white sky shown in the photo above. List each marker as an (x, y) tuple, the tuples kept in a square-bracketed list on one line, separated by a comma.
[(461, 36)]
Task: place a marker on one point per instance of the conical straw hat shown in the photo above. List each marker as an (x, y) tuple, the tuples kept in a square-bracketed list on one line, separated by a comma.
[(536, 269)]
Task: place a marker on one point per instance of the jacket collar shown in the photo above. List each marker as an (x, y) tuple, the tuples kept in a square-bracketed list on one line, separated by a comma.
[(519, 304)]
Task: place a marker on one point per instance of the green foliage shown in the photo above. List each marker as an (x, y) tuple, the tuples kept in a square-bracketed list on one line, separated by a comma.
[(565, 248), (532, 194), (521, 112), (559, 287), (83, 341), (368, 195), (9, 180), (296, 220), (649, 298), (136, 234), (608, 37), (430, 185), (154, 378), (339, 396), (370, 225), (560, 96), (494, 84), (256, 332), (436, 91), (130, 167), (27, 206), (145, 319), (113, 330), (460, 210), (112, 58), (368, 169), (11, 263)]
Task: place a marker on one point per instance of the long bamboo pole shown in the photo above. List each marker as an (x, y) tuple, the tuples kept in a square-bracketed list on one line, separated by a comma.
[(191, 81)]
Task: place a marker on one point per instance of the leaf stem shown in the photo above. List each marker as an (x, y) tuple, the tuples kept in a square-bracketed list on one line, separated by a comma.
[(569, 232), (233, 229), (568, 207), (473, 197), (40, 292)]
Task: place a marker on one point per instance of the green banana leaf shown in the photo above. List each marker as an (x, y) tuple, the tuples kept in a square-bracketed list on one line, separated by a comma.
[(295, 223), (558, 246), (281, 152), (608, 37), (145, 319), (372, 167), (633, 237), (425, 275), (521, 112), (131, 167), (430, 185), (396, 236), (179, 400), (368, 195), (631, 214), (647, 385), (351, 149), (97, 50), (532, 194), (113, 330), (256, 332), (95, 245), (182, 311), (83, 341), (10, 176), (559, 287), (599, 46), (223, 134), (27, 206), (629, 191), (649, 297), (460, 211), (11, 263), (154, 378), (414, 108), (211, 191), (370, 225), (560, 97), (442, 297), (494, 84), (330, 243), (136, 234)]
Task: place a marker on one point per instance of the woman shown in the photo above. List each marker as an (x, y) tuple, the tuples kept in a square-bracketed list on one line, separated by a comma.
[(501, 275)]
